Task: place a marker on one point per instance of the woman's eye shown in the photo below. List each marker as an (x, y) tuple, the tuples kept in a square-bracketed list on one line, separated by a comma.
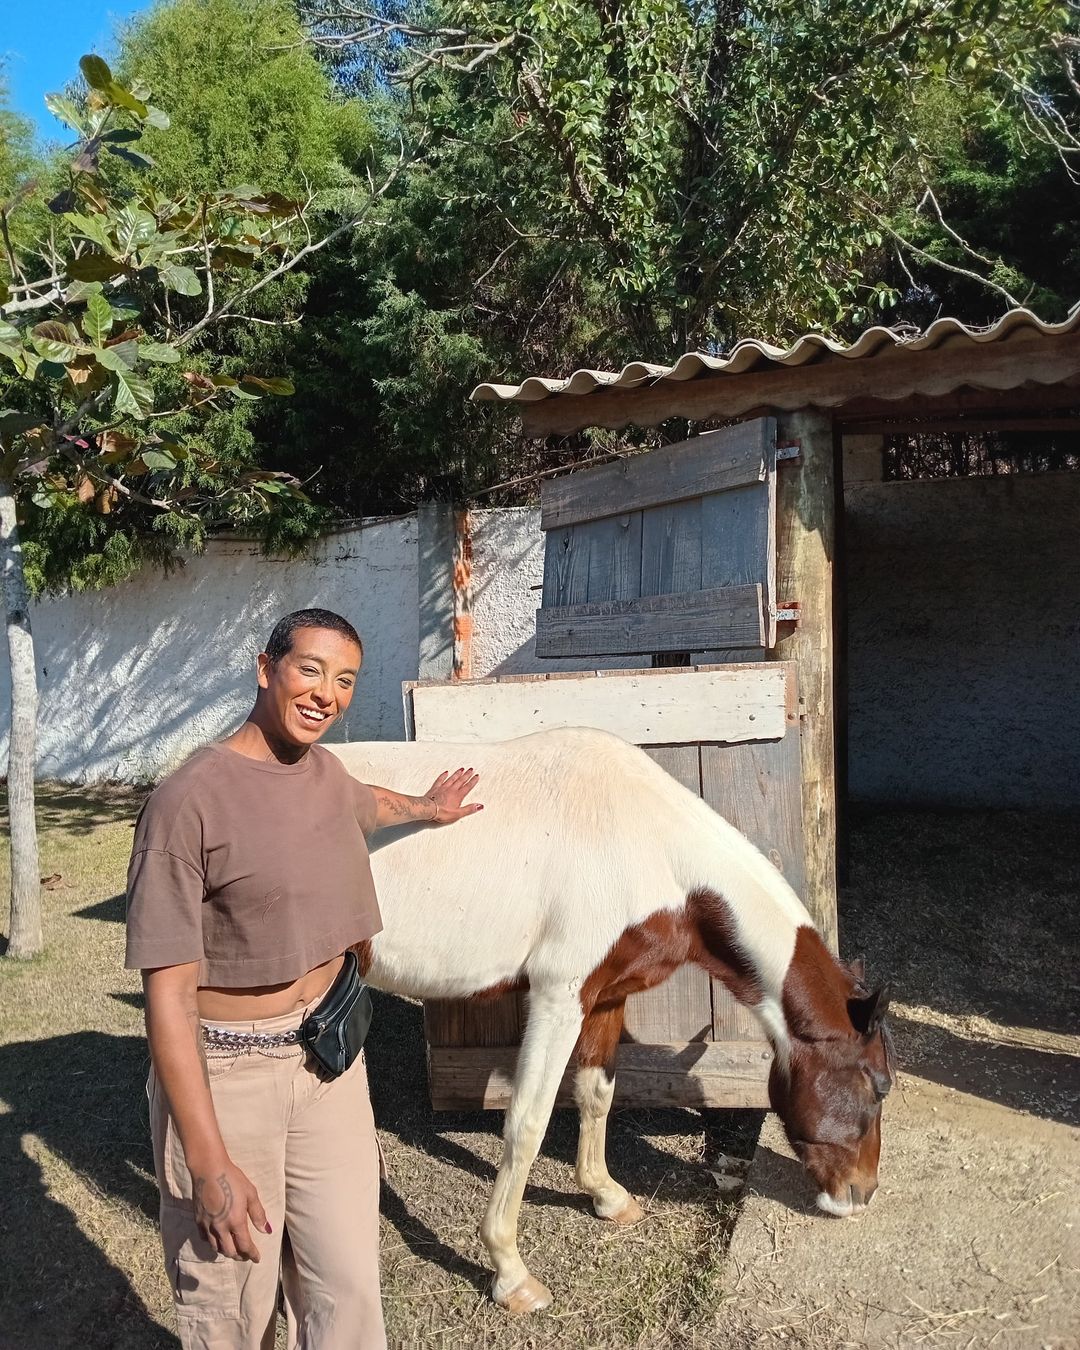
[(308, 670)]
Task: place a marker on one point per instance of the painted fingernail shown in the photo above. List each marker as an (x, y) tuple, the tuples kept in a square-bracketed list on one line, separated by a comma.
[(269, 1229)]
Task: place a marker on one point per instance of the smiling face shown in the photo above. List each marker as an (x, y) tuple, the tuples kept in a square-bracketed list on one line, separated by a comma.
[(302, 692)]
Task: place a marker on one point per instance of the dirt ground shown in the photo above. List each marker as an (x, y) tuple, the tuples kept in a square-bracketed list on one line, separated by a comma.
[(973, 916), (974, 1238)]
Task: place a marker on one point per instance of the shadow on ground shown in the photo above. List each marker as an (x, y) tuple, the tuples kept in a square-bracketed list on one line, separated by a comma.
[(396, 1059), (1023, 1078), (65, 809), (78, 1097)]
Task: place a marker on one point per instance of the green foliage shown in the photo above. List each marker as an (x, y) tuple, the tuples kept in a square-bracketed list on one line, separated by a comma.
[(249, 103), (726, 165), (106, 358), (1009, 201), (17, 157)]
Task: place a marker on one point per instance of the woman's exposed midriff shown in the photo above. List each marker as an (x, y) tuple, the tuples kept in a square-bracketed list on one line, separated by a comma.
[(251, 1005)]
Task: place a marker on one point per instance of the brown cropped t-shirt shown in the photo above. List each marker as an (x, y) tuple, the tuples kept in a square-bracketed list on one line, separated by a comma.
[(257, 870)]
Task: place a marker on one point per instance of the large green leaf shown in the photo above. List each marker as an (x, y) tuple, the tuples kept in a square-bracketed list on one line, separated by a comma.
[(65, 111), (54, 341), (157, 119), (133, 394), (13, 423), (135, 158), (120, 357), (158, 459), (98, 319), (134, 228), (96, 73), (94, 228), (24, 361), (180, 279), (123, 98), (94, 267), (160, 352), (81, 291), (8, 332), (255, 385)]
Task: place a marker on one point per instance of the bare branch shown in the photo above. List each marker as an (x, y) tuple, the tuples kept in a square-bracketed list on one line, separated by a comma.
[(928, 195), (945, 266), (228, 307)]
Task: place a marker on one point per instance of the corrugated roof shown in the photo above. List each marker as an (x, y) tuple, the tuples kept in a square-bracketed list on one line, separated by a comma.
[(751, 354)]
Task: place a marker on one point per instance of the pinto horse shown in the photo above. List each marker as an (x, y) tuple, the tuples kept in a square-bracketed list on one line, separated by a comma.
[(591, 875)]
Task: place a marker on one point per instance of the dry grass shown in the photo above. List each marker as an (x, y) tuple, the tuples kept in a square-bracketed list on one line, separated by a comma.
[(79, 1257), (973, 916)]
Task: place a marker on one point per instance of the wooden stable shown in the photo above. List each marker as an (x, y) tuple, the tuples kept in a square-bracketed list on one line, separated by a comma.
[(722, 554)]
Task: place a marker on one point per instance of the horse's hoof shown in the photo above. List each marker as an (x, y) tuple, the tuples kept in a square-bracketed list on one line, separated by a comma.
[(528, 1297), (630, 1213)]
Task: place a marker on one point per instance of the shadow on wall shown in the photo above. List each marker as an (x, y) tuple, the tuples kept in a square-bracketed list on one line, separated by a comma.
[(962, 643), (134, 678)]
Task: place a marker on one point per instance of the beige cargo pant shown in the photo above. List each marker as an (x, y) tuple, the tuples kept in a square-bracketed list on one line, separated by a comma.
[(308, 1144)]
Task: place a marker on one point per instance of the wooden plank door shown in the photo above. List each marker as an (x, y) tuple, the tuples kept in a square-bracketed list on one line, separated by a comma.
[(672, 550)]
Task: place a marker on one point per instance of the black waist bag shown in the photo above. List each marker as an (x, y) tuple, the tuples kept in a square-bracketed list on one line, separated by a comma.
[(333, 1035)]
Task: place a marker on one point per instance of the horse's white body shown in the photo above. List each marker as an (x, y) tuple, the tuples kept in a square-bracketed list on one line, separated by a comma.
[(582, 837)]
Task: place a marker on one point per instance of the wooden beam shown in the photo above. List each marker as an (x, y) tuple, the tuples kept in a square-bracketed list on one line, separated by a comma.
[(687, 1074), (975, 405), (713, 462), (827, 382), (934, 426), (728, 616), (645, 707), (806, 536)]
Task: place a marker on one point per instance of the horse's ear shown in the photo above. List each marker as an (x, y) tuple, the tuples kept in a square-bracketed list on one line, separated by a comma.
[(857, 966), (867, 1013)]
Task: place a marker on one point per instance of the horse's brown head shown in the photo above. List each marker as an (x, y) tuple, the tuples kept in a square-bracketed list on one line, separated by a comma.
[(829, 1091)]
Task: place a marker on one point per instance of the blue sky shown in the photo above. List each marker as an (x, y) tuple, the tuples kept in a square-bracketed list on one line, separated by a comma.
[(41, 42)]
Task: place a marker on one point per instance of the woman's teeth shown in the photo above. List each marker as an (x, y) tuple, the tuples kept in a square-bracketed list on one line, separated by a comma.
[(311, 715)]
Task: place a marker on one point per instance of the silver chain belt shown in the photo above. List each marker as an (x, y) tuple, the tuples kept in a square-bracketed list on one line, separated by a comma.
[(249, 1040)]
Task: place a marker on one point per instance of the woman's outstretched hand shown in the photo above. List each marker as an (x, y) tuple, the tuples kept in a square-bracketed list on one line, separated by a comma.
[(449, 791)]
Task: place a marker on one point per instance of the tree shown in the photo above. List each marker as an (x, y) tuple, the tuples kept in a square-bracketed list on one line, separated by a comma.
[(729, 167), (108, 333), (251, 102), (969, 225)]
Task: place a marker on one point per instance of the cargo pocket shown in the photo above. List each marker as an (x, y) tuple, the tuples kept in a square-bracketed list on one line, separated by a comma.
[(206, 1285)]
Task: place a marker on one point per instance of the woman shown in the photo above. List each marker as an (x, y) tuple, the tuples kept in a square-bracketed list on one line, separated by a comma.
[(249, 880)]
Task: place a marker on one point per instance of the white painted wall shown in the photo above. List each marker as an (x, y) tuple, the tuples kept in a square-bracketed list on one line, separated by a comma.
[(134, 678), (964, 629), (508, 572)]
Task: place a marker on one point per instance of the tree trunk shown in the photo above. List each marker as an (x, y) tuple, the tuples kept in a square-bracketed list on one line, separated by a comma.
[(24, 934)]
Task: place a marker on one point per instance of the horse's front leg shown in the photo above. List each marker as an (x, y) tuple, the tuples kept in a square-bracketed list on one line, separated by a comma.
[(553, 1026), (594, 1087)]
